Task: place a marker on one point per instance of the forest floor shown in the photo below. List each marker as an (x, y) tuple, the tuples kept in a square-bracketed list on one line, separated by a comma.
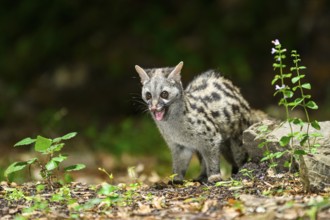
[(255, 193)]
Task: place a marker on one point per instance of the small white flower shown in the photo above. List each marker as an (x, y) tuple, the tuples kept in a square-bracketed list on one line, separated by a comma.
[(273, 50), (276, 42), (278, 58), (277, 87)]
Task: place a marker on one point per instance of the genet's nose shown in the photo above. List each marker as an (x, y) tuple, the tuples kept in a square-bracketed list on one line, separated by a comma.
[(153, 108)]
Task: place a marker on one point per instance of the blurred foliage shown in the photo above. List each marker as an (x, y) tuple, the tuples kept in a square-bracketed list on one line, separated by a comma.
[(76, 59), (136, 137), (110, 36)]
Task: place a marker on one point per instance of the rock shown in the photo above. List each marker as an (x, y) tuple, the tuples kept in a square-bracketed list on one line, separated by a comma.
[(318, 164)]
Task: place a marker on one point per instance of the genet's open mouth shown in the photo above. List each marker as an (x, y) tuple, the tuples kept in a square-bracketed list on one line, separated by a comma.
[(159, 115)]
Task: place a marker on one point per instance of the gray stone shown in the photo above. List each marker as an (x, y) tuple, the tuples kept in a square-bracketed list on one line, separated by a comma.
[(318, 164)]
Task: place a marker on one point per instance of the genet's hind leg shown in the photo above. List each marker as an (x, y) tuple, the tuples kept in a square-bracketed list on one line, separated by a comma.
[(234, 153), (240, 155), (202, 178)]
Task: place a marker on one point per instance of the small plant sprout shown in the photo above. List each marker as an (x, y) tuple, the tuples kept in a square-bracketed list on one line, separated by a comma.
[(248, 173), (110, 175), (131, 171), (49, 147), (171, 178)]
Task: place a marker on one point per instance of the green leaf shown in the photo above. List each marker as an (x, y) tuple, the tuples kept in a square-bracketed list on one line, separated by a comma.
[(304, 139), (42, 144), (277, 65), (262, 144), (306, 86), (51, 165), (275, 79), (59, 158), (277, 91), (288, 75), (107, 189), (288, 93), (279, 154), (295, 79), (56, 147), (316, 134), (298, 121), (285, 140), (315, 124), (295, 88), (299, 152), (54, 162), (297, 101), (57, 140), (311, 105), (31, 161), (69, 136), (287, 164), (65, 137), (14, 167), (302, 67), (25, 141), (75, 167), (263, 128)]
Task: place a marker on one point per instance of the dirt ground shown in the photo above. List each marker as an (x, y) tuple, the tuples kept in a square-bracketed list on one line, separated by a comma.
[(256, 193)]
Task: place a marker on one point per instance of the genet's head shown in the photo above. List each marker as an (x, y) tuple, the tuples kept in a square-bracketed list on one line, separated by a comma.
[(161, 87)]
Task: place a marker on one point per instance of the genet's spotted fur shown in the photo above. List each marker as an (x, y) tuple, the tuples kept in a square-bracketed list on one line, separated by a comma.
[(206, 118)]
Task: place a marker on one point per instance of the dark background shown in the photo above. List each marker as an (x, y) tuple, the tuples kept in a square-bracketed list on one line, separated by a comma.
[(69, 65)]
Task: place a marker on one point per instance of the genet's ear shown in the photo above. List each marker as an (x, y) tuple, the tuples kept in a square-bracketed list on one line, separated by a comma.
[(175, 74), (143, 75)]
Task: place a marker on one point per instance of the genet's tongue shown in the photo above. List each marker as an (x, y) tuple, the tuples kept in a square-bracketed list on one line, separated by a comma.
[(159, 115)]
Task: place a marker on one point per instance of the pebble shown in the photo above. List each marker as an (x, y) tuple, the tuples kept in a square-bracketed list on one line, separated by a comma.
[(13, 184), (260, 209)]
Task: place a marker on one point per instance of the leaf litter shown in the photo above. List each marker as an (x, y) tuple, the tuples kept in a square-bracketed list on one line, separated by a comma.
[(260, 195)]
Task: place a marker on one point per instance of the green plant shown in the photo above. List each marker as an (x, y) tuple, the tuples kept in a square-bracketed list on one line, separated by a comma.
[(38, 203), (14, 194), (293, 94), (121, 194), (110, 175), (171, 178), (248, 173), (49, 147), (230, 183), (317, 205)]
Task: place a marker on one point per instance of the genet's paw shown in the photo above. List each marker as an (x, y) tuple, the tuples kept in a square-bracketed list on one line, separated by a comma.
[(214, 178), (175, 182), (201, 179)]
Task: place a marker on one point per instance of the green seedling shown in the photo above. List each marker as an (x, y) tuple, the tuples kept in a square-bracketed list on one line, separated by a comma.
[(49, 147), (110, 175)]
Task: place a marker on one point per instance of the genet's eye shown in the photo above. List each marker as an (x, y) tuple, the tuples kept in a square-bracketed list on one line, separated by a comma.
[(164, 94), (148, 95)]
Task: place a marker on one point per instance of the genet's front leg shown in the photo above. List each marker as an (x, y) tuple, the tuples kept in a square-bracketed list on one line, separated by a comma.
[(211, 156), (181, 157), (203, 174)]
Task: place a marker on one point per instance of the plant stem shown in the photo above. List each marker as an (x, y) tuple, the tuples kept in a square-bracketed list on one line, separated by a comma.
[(296, 60), (285, 102)]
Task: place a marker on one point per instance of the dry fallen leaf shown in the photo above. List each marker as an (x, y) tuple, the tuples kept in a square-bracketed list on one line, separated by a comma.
[(158, 202), (143, 209)]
